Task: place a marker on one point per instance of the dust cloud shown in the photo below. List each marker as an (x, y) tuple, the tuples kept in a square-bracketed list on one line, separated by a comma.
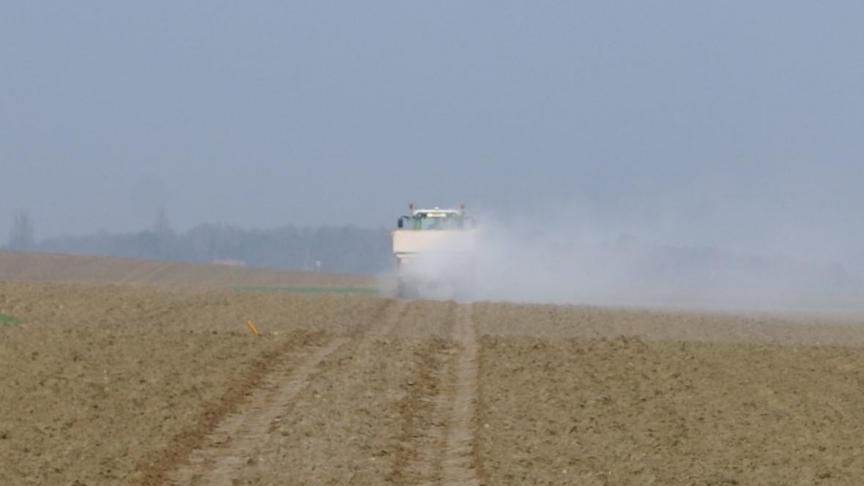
[(556, 259)]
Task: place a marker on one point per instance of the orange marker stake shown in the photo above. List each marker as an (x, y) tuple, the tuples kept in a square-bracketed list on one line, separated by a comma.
[(252, 327)]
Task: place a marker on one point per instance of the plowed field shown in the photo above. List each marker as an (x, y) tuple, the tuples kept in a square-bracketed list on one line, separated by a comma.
[(126, 384)]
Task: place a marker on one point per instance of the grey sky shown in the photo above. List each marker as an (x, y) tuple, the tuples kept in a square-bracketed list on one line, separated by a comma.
[(736, 124)]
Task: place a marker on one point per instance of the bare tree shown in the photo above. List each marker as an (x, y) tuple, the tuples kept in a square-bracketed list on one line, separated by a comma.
[(23, 233)]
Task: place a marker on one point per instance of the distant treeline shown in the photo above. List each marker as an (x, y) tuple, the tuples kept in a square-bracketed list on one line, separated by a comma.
[(345, 249)]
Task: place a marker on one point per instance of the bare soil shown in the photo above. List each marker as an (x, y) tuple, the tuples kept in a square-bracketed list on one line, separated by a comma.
[(153, 383), (630, 411), (41, 267)]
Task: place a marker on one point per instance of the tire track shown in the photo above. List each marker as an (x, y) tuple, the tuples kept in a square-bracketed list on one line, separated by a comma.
[(426, 410), (459, 466), (389, 321), (233, 443), (439, 437)]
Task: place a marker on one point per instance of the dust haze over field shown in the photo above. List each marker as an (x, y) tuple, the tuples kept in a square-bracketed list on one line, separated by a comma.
[(620, 154), (674, 154), (344, 388), (570, 255)]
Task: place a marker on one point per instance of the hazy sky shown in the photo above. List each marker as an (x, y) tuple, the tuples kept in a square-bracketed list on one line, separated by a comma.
[(736, 124)]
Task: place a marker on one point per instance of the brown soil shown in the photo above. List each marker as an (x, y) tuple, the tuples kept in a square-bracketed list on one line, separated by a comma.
[(460, 458), (33, 267), (120, 384), (232, 443), (110, 385), (629, 411)]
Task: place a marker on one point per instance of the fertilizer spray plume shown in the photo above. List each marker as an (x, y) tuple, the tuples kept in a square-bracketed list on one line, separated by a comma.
[(572, 256), (523, 264), (526, 260)]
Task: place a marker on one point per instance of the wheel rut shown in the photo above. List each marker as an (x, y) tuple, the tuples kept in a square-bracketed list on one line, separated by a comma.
[(459, 465), (233, 443), (439, 436)]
